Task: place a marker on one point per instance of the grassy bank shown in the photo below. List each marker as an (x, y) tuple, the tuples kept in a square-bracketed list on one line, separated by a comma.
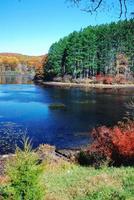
[(66, 181), (63, 180)]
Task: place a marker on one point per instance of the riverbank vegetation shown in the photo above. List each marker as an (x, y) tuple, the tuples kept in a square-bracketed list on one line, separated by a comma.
[(24, 176), (102, 53), (114, 145), (58, 179)]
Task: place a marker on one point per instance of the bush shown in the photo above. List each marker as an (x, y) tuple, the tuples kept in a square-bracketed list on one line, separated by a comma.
[(93, 159), (99, 79), (120, 79), (115, 144), (108, 80), (24, 174)]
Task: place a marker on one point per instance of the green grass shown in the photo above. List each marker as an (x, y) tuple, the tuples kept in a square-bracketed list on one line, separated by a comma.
[(65, 181), (71, 182)]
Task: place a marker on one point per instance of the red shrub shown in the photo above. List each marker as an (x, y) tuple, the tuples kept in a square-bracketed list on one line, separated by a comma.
[(124, 142), (116, 144), (108, 80), (104, 79), (99, 78), (102, 139)]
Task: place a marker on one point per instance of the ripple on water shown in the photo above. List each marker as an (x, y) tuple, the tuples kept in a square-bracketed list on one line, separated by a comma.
[(10, 134)]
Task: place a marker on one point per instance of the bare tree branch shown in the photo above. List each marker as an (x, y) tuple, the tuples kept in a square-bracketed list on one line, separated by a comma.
[(122, 6), (93, 10), (125, 6), (98, 5), (121, 9)]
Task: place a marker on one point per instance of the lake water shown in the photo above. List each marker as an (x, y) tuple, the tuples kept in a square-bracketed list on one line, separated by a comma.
[(24, 110)]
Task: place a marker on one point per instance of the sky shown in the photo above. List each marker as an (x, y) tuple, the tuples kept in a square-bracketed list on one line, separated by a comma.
[(31, 26)]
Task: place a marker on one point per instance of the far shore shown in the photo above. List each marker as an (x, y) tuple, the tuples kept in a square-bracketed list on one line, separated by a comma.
[(87, 85)]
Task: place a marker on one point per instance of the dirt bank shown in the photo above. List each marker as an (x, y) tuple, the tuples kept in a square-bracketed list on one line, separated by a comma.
[(61, 84)]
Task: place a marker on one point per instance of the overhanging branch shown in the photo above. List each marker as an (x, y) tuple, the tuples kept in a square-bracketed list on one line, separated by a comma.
[(98, 5), (122, 6)]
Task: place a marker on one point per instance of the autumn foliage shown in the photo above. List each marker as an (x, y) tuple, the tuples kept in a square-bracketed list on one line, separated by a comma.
[(107, 79), (12, 59), (115, 144)]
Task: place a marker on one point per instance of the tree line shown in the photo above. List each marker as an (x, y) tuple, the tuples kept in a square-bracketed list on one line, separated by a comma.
[(92, 50), (12, 59)]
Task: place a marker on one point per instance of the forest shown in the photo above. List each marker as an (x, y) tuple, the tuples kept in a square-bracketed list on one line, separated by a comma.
[(105, 49), (18, 62)]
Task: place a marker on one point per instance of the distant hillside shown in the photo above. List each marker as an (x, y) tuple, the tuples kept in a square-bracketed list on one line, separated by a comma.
[(20, 63), (30, 60), (16, 54)]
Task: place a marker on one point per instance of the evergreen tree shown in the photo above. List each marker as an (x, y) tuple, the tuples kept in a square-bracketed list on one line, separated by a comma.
[(92, 50)]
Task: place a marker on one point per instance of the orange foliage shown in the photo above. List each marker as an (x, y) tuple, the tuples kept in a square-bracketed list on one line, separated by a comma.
[(124, 141), (115, 143), (13, 60), (7, 60), (108, 80)]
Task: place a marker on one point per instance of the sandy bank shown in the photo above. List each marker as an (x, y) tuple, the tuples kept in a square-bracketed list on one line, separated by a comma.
[(61, 84)]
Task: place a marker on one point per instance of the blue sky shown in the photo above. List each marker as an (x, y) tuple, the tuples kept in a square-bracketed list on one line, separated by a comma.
[(31, 26)]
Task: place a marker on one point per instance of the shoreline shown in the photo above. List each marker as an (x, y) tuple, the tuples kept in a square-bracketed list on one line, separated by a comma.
[(55, 154), (101, 86)]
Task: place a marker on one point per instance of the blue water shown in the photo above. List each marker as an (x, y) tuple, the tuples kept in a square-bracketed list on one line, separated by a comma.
[(24, 110)]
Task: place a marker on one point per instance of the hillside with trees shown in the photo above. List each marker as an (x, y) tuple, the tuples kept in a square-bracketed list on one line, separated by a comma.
[(105, 49), (11, 63)]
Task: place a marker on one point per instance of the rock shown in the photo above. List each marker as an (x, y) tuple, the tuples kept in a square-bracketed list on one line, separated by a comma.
[(57, 106), (3, 160)]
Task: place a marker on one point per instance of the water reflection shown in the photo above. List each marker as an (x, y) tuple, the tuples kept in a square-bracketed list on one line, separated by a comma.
[(16, 79)]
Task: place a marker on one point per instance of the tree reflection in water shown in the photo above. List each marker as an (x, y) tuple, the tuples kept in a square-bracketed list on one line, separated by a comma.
[(16, 79)]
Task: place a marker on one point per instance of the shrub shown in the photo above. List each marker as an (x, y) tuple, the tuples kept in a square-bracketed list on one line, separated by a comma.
[(99, 79), (108, 80), (120, 79), (95, 159), (115, 144), (24, 174)]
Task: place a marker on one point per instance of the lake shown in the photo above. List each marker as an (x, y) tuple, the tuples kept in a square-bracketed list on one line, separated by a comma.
[(24, 110)]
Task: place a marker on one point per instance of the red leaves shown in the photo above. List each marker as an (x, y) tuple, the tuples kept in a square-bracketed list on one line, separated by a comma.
[(108, 80), (99, 78), (124, 142), (115, 143), (102, 141)]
